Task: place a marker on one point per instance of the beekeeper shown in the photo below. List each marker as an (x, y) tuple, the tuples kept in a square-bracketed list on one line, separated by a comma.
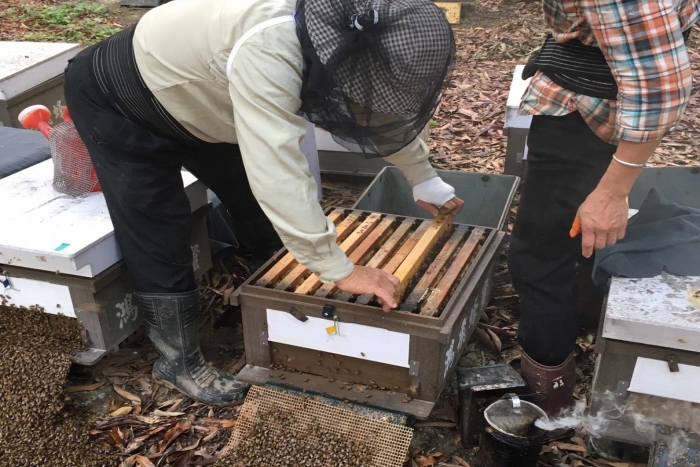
[(222, 87), (609, 83)]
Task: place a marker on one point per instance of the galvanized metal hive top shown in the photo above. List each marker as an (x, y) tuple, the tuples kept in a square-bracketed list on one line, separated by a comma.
[(385, 443), (662, 311), (429, 257)]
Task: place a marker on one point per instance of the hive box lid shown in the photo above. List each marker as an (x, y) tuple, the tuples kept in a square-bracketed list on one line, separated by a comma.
[(655, 311), (46, 230), (515, 97), (24, 65)]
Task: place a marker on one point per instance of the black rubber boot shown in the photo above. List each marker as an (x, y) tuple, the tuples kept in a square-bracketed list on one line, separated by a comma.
[(171, 324)]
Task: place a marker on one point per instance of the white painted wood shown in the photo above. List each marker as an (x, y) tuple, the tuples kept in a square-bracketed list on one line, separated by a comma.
[(54, 298), (355, 340), (46, 230), (653, 377), (325, 142), (654, 311), (24, 65), (515, 97)]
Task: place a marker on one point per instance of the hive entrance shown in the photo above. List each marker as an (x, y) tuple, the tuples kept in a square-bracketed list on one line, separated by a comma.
[(429, 257), (276, 427)]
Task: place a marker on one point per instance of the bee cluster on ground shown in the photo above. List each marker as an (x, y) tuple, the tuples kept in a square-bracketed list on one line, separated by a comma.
[(36, 428), (278, 439)]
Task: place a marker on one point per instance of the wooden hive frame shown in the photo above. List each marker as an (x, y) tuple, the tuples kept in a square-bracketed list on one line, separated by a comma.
[(428, 258), (445, 270)]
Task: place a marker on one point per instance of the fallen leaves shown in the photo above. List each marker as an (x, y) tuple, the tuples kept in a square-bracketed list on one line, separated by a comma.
[(127, 395), (172, 434), (161, 413), (426, 461), (339, 194), (85, 388), (143, 461), (148, 424), (496, 341), (121, 411)]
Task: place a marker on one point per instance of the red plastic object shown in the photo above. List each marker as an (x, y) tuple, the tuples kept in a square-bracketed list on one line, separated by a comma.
[(36, 117)]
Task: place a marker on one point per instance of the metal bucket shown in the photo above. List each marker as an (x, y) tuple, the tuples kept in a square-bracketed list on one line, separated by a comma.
[(511, 438)]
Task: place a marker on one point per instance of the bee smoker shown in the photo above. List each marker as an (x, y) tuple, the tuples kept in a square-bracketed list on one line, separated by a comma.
[(510, 437)]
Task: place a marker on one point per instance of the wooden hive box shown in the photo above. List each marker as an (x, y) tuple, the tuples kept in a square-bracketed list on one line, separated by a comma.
[(104, 305), (303, 334)]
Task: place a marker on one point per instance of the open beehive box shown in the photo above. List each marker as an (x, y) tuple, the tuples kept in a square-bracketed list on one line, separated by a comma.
[(305, 334)]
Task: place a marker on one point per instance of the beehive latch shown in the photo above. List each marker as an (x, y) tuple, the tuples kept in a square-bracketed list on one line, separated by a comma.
[(328, 311), (672, 363), (298, 314), (622, 387)]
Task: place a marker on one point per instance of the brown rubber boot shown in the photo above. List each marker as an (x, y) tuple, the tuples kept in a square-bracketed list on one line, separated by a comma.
[(554, 385)]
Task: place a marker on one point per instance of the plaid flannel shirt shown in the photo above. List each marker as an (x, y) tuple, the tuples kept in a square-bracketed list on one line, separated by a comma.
[(643, 43)]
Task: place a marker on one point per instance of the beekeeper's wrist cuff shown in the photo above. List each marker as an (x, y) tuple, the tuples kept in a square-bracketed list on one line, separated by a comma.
[(433, 191)]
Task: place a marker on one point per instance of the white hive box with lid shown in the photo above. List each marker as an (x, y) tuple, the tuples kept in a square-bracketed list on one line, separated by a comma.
[(649, 360), (32, 73), (48, 231), (60, 253)]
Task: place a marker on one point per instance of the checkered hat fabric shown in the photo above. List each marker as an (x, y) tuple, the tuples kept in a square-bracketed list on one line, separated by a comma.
[(381, 64)]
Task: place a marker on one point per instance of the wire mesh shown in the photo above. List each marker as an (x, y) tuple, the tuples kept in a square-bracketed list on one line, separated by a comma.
[(388, 443), (73, 171)]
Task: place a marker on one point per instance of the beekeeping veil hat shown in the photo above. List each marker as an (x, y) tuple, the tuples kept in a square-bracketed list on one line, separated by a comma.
[(373, 69)]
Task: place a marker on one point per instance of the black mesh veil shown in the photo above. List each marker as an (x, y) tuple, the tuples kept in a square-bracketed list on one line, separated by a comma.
[(374, 70)]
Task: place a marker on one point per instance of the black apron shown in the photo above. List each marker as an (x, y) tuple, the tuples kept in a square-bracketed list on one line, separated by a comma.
[(580, 68)]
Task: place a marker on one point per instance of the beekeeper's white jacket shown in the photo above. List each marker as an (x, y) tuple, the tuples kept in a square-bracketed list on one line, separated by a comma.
[(182, 49)]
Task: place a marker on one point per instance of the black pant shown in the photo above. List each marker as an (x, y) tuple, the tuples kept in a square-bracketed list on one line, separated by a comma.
[(566, 160), (140, 175)]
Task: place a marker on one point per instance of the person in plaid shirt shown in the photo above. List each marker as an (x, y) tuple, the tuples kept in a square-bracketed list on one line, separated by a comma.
[(610, 81)]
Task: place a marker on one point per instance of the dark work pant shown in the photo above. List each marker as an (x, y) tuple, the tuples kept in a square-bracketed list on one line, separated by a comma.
[(140, 175), (566, 160)]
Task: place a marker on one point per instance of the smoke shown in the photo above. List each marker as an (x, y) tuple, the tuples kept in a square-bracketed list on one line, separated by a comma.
[(584, 423), (652, 417), (596, 424), (574, 419)]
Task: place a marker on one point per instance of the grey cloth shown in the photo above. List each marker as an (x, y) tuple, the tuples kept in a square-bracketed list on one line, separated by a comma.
[(20, 149), (662, 236)]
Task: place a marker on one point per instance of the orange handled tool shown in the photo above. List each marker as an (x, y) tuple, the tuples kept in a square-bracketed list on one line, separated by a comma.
[(576, 227)]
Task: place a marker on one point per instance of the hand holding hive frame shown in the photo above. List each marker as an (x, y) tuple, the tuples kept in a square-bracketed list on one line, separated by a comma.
[(429, 258)]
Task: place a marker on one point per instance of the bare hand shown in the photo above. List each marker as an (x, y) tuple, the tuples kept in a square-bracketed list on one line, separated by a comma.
[(453, 206), (364, 280), (603, 220)]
